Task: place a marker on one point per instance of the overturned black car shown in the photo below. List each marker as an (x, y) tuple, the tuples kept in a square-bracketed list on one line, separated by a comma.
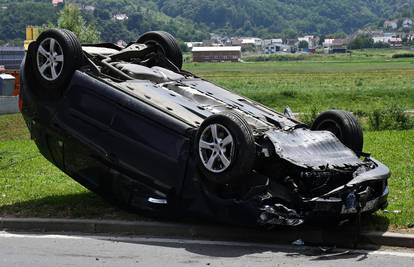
[(131, 125)]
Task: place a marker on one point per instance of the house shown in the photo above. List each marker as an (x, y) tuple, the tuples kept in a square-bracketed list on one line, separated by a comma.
[(395, 41), (391, 24), (389, 38), (216, 53), (380, 39), (236, 41), (272, 41), (57, 2), (333, 46), (277, 48), (407, 23), (246, 41), (313, 41), (253, 40), (120, 17), (335, 43)]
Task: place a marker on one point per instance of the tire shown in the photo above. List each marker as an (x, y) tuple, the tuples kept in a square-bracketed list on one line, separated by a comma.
[(167, 43), (344, 126), (54, 68), (240, 153)]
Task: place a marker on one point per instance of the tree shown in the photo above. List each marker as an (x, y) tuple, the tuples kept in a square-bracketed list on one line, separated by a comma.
[(70, 18), (361, 41), (134, 21), (289, 33), (303, 45), (322, 40)]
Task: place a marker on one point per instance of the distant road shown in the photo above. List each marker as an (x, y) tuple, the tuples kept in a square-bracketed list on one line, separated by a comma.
[(61, 250)]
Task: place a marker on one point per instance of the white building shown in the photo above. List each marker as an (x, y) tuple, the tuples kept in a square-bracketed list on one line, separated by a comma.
[(393, 40), (120, 17), (328, 42), (277, 48), (56, 2), (391, 24), (272, 41), (246, 41), (407, 23), (310, 39)]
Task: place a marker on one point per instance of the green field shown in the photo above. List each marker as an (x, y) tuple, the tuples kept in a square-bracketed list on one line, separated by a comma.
[(355, 85), (30, 186)]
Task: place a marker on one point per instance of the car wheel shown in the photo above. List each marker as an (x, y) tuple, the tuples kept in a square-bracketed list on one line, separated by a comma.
[(57, 55), (344, 126), (226, 149), (166, 44)]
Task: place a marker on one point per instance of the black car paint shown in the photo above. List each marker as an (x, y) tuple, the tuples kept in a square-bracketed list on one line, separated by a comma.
[(153, 155)]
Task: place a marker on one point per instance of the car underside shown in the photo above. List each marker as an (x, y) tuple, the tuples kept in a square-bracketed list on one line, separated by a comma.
[(129, 124)]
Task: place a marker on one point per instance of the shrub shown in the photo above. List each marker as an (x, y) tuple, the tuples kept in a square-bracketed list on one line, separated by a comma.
[(361, 41), (309, 117), (359, 82), (392, 118), (288, 93), (277, 57), (381, 45), (403, 55)]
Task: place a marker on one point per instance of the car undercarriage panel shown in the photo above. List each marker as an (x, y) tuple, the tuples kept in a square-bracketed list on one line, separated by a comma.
[(318, 150)]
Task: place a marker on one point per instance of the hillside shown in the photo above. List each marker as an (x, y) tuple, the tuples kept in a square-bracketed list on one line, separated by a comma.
[(194, 19)]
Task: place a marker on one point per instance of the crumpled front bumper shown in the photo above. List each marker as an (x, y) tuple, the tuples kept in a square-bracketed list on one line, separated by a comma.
[(366, 193)]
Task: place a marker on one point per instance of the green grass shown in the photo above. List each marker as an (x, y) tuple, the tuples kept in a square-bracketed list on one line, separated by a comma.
[(30, 186), (12, 127), (353, 56), (396, 150)]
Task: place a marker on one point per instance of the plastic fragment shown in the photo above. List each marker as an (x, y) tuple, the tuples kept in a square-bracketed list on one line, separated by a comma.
[(298, 242), (327, 249), (392, 211)]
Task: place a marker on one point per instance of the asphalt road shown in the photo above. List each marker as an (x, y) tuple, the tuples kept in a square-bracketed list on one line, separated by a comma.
[(62, 250)]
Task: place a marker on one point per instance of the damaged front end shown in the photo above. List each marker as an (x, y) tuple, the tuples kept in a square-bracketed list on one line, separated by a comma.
[(302, 176), (324, 179)]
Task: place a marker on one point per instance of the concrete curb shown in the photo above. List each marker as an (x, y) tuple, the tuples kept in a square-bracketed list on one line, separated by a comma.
[(343, 237), (390, 239)]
